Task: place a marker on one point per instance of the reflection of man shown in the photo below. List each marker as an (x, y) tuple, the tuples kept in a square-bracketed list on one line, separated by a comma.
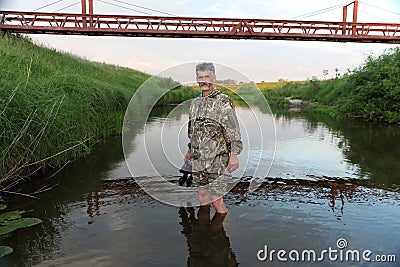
[(207, 240), (215, 139)]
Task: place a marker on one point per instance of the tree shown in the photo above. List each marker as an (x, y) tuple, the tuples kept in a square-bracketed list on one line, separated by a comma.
[(325, 73), (337, 74)]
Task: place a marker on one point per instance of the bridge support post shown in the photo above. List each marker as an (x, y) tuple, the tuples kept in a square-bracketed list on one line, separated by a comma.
[(91, 13), (344, 20), (83, 2), (355, 10)]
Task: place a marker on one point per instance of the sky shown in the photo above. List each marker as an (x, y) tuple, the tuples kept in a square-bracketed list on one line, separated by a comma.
[(259, 60)]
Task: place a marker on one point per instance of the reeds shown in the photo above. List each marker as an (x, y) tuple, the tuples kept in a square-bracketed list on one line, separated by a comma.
[(54, 107)]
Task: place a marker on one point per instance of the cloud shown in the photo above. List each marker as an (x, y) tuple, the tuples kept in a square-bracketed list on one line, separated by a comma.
[(144, 66)]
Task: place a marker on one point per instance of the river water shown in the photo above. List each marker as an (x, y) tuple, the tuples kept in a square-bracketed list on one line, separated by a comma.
[(333, 185)]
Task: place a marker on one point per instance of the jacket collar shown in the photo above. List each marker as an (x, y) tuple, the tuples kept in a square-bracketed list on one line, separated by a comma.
[(213, 93)]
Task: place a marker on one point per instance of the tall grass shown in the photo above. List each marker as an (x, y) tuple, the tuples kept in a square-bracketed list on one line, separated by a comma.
[(54, 106)]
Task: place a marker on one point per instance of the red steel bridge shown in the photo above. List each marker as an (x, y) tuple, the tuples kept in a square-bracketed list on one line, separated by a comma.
[(88, 23)]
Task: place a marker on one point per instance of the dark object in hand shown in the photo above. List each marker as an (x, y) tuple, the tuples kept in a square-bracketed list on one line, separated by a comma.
[(187, 178)]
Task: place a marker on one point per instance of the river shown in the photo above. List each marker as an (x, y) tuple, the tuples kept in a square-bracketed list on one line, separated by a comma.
[(333, 185)]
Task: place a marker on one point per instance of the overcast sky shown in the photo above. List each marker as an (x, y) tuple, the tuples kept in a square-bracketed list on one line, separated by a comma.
[(259, 60)]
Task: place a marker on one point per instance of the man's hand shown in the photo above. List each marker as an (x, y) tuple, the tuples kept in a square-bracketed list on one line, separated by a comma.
[(187, 156), (233, 163)]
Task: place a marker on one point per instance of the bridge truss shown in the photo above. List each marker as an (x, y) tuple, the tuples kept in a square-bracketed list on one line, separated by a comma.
[(196, 27)]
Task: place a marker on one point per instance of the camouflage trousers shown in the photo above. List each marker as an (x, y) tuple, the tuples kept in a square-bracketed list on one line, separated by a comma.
[(215, 176)]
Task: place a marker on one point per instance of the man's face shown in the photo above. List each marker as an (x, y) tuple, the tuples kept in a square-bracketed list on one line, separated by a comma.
[(205, 79)]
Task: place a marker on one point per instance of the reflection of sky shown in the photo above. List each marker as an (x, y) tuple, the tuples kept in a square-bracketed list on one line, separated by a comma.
[(308, 156), (300, 151)]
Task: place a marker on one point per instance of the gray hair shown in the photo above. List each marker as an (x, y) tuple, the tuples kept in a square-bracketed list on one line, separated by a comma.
[(205, 66)]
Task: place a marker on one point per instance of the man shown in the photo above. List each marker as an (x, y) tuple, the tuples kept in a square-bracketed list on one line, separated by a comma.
[(215, 139)]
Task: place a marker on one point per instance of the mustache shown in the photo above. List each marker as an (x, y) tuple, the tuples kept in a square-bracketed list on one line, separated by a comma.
[(204, 83)]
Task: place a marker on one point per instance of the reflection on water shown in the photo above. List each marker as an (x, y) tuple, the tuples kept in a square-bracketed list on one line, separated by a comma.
[(370, 151), (93, 205), (307, 144), (207, 242), (119, 224), (330, 179)]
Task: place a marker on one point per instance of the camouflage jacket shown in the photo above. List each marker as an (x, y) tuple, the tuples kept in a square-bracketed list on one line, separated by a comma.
[(213, 127)]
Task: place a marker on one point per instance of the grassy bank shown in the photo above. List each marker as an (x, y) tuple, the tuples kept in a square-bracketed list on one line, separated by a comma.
[(369, 92), (54, 106)]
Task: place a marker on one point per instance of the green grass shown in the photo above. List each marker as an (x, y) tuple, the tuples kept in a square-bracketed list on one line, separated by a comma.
[(55, 106), (251, 92), (370, 92)]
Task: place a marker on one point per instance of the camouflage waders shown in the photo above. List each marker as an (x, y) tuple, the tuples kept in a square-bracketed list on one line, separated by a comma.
[(214, 134)]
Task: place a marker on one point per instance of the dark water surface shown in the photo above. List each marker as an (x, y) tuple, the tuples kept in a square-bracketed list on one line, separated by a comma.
[(330, 179)]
